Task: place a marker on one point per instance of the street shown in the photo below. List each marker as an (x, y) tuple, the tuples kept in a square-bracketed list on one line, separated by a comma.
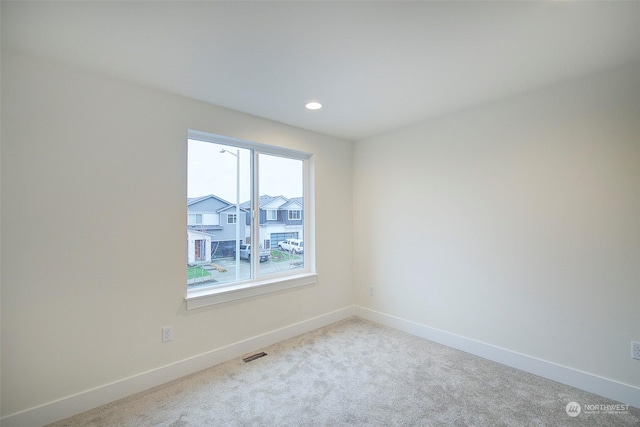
[(223, 270)]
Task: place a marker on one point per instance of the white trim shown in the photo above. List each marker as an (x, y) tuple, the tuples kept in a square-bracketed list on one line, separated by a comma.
[(309, 220), (294, 210), (262, 284), (86, 400), (196, 218), (274, 212), (605, 387), (212, 296)]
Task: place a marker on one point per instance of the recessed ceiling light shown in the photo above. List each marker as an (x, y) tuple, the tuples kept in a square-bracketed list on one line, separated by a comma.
[(313, 105)]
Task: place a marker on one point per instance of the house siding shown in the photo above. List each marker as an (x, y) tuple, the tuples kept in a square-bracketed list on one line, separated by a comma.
[(218, 228), (228, 231)]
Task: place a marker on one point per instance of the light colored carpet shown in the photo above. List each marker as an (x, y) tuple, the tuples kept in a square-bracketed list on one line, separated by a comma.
[(358, 373)]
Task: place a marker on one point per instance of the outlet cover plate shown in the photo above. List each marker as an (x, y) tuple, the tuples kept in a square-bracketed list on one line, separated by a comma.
[(635, 350), (167, 334)]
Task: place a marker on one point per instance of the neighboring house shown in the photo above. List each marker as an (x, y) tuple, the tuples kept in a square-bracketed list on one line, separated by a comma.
[(280, 219), (211, 228)]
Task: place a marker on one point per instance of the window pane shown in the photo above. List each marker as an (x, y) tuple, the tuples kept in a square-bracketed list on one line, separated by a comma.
[(219, 190), (280, 183)]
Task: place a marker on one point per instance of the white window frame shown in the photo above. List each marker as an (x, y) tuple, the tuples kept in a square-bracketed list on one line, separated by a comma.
[(195, 217), (298, 216), (272, 213), (263, 284), (231, 218)]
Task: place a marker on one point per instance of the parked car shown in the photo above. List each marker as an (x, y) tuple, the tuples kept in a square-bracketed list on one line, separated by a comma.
[(245, 253), (292, 245)]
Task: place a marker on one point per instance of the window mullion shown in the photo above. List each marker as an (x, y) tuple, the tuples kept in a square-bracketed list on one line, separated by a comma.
[(255, 214), (308, 215)]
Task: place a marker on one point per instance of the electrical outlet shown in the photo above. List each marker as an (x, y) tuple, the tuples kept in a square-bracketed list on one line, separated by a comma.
[(167, 333), (371, 291), (635, 350)]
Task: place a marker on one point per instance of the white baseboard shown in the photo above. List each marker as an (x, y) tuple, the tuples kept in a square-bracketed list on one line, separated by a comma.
[(601, 386), (89, 399)]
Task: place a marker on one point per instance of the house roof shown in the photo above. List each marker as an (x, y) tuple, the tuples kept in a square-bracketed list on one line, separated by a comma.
[(194, 200), (265, 200), (191, 230), (293, 202), (226, 208)]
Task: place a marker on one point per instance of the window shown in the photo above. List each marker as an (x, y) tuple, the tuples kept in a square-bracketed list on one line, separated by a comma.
[(195, 219), (295, 215), (248, 183)]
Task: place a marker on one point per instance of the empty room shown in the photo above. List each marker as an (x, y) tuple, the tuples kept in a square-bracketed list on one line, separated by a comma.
[(319, 213)]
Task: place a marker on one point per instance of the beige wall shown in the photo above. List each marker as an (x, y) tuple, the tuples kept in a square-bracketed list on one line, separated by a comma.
[(93, 231), (516, 224)]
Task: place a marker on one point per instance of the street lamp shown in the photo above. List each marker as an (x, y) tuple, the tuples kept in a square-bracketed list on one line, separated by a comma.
[(237, 156)]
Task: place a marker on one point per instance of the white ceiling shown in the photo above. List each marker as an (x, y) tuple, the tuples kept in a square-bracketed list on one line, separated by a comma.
[(375, 66)]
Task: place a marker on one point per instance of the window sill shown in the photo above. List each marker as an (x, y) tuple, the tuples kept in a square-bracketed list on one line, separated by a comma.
[(204, 298)]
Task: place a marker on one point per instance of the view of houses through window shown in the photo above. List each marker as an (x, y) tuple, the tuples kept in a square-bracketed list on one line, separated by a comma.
[(245, 214)]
